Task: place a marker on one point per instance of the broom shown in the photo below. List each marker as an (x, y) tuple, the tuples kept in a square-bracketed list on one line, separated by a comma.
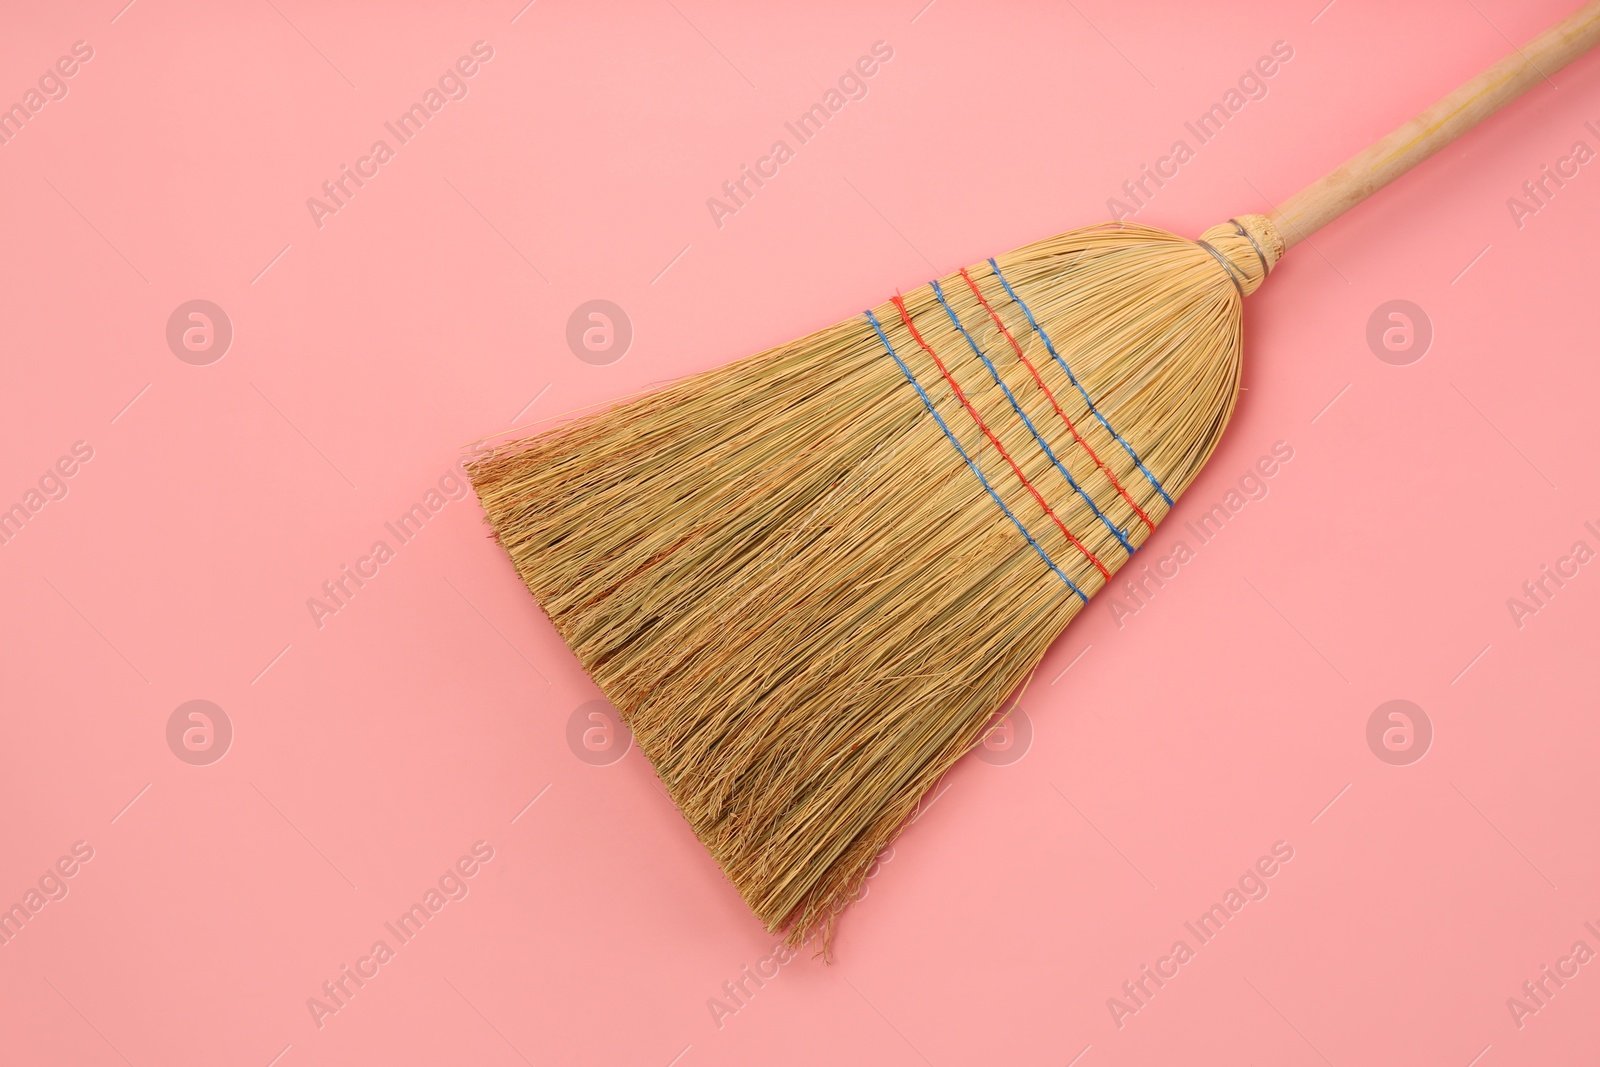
[(809, 579)]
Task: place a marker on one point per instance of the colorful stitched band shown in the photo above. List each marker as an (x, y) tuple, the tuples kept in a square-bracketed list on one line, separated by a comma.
[(1098, 462), (1071, 378), (905, 317), (927, 402), (1037, 436)]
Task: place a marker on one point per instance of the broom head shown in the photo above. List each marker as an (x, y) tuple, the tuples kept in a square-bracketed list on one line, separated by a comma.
[(808, 580)]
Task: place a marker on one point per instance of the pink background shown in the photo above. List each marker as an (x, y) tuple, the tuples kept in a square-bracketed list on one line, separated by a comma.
[(1227, 714)]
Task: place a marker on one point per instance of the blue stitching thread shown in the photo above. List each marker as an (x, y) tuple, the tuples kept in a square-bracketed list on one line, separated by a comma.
[(1071, 378), (927, 402), (1037, 436)]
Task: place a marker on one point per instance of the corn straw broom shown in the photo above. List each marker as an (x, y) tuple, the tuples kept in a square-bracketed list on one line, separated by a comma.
[(809, 579)]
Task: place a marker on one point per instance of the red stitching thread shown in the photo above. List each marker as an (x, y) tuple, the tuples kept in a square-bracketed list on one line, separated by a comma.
[(905, 317), (1098, 462)]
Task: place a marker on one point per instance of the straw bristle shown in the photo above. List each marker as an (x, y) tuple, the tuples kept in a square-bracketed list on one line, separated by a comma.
[(793, 586)]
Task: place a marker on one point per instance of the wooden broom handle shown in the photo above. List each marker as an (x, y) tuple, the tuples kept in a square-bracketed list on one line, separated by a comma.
[(1365, 173)]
